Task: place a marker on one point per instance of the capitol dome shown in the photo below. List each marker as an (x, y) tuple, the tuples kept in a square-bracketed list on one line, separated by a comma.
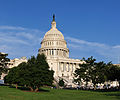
[(53, 34), (54, 43), (55, 49)]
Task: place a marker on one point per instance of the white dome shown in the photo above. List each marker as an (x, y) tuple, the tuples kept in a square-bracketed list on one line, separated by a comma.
[(53, 43), (53, 34)]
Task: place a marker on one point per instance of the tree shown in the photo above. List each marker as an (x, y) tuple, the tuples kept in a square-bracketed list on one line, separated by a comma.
[(14, 76), (61, 82), (91, 71), (34, 74), (98, 74), (84, 72), (113, 73), (3, 62)]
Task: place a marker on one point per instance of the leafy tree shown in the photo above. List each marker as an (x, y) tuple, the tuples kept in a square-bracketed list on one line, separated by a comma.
[(14, 76), (84, 72), (91, 71), (61, 82), (113, 73), (3, 62), (98, 74), (34, 74)]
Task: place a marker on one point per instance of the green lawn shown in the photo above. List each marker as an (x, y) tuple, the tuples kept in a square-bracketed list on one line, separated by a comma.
[(7, 93)]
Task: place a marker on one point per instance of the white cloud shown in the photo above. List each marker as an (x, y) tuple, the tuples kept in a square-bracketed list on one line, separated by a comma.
[(25, 34), (116, 46), (106, 52), (19, 41), (11, 39), (11, 28), (85, 42), (18, 28)]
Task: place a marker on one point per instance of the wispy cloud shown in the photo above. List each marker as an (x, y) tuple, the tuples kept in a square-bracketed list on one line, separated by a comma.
[(85, 42), (19, 41), (18, 28), (11, 28), (12, 40), (104, 51), (26, 35), (116, 46)]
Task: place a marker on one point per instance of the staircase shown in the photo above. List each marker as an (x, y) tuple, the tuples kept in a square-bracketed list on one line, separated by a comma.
[(68, 82)]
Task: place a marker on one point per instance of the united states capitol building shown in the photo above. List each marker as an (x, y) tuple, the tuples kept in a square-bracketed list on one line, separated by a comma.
[(55, 48)]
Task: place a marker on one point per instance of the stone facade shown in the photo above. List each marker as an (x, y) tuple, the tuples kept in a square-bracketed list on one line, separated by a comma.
[(15, 62), (55, 48)]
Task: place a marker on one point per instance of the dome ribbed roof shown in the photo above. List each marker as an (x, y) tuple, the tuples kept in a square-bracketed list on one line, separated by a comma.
[(54, 34)]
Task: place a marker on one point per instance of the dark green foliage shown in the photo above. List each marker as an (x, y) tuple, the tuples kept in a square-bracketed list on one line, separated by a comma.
[(97, 72), (113, 72), (15, 75), (33, 74), (3, 63), (61, 82), (85, 70)]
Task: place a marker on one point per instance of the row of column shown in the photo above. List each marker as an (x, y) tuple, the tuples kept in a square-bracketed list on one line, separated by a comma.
[(54, 52), (67, 67), (54, 43)]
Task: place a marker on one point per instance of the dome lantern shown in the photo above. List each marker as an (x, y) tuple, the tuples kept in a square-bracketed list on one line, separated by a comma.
[(53, 24)]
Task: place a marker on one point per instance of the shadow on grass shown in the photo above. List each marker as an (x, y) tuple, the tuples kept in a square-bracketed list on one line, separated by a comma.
[(110, 92), (117, 95), (28, 89), (113, 92)]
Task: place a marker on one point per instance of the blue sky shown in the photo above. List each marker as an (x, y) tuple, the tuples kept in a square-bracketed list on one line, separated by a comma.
[(90, 27)]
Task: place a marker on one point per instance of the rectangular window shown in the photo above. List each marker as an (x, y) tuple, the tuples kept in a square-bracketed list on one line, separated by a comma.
[(52, 52)]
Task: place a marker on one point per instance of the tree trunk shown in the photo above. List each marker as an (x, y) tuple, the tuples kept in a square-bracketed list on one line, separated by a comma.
[(119, 85), (31, 89), (16, 86), (36, 89), (95, 87)]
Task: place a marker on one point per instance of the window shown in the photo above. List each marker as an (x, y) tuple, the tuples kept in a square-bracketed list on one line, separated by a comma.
[(59, 67), (52, 52), (64, 67), (72, 67)]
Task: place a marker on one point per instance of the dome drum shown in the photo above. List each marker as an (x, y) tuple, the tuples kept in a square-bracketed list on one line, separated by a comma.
[(50, 52)]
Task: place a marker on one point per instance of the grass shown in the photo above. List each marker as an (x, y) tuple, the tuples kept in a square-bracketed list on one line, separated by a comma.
[(7, 93)]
